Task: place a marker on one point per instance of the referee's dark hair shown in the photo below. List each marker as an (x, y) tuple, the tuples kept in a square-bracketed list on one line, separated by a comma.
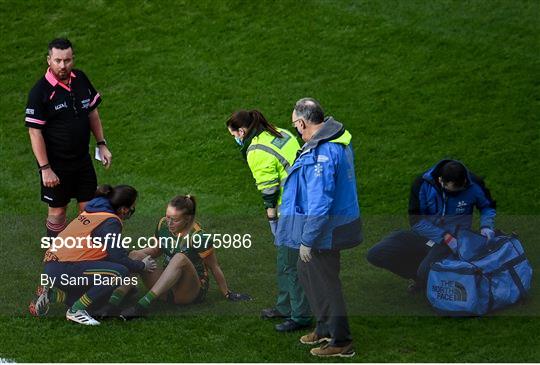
[(119, 196), (60, 43)]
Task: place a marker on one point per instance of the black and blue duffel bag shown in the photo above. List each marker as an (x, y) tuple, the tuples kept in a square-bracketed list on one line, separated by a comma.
[(494, 275)]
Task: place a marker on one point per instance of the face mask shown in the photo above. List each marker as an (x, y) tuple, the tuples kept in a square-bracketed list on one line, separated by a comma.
[(130, 213), (239, 141), (298, 132)]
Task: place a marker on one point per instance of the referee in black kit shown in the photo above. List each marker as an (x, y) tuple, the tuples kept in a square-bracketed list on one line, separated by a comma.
[(61, 113)]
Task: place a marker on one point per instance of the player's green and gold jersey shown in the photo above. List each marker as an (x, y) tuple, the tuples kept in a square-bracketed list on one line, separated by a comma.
[(196, 249)]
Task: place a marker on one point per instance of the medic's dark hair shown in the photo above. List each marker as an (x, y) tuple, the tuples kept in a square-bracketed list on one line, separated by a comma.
[(119, 196), (455, 172), (251, 120)]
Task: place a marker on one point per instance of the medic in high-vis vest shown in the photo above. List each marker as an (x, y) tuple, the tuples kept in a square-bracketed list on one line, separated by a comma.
[(86, 263), (269, 152)]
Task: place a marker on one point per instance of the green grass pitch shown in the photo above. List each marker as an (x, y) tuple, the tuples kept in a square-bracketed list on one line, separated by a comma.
[(414, 82)]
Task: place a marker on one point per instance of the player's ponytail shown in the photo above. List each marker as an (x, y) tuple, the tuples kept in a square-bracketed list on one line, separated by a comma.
[(185, 204), (119, 196)]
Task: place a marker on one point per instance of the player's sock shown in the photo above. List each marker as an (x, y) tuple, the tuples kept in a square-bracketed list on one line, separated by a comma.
[(116, 297), (147, 299), (81, 304), (54, 228), (57, 296)]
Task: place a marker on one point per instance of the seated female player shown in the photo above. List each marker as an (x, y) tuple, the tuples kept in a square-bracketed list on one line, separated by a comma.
[(184, 279), (81, 275)]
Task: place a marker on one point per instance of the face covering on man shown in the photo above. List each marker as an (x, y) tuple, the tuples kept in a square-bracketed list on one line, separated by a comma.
[(239, 141)]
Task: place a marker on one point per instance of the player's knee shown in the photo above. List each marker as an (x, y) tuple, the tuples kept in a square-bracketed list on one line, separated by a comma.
[(137, 255), (179, 260)]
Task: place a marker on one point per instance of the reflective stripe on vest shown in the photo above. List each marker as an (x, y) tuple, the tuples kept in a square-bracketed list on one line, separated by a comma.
[(282, 160), (78, 248)]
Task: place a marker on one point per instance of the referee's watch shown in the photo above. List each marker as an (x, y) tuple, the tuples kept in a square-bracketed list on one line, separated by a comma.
[(102, 143)]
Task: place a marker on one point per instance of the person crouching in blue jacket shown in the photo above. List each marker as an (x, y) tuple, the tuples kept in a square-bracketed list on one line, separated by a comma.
[(441, 200), (320, 216)]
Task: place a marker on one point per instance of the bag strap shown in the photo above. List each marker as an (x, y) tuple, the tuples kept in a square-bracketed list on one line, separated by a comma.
[(510, 264), (491, 299), (518, 282)]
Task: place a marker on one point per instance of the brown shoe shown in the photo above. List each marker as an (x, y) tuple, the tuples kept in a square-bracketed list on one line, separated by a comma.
[(327, 351), (313, 339)]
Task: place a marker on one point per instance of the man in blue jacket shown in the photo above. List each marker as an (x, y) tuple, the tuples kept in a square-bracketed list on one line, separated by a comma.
[(441, 200), (320, 216)]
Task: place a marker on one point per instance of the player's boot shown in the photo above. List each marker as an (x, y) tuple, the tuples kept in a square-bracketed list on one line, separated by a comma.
[(133, 312), (81, 316), (106, 311), (39, 306)]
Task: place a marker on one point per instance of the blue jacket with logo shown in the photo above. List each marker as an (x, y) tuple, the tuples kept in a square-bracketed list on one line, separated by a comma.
[(319, 206), (434, 212)]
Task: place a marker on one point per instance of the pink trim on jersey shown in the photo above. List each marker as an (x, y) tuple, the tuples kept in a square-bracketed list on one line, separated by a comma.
[(33, 120), (52, 95), (94, 101), (50, 77), (54, 81)]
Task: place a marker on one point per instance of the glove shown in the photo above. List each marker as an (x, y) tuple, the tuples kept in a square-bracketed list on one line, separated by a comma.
[(305, 253), (237, 297), (451, 242), (273, 225), (149, 264), (487, 232)]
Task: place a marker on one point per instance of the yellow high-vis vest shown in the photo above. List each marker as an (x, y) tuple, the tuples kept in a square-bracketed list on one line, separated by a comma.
[(269, 159)]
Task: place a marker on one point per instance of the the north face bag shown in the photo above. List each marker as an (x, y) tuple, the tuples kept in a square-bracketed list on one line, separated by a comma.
[(495, 278), (469, 244)]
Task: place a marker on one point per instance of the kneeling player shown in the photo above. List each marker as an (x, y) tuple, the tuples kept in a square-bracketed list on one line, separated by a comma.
[(81, 275), (184, 279)]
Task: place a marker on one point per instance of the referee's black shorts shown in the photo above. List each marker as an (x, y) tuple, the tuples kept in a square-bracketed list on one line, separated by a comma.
[(77, 181)]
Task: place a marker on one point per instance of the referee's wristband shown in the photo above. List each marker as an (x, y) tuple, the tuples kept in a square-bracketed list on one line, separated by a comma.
[(44, 167), (101, 143)]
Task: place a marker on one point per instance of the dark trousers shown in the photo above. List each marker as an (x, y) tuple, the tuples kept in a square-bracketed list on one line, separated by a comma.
[(407, 254), (320, 280), (77, 278), (291, 300)]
